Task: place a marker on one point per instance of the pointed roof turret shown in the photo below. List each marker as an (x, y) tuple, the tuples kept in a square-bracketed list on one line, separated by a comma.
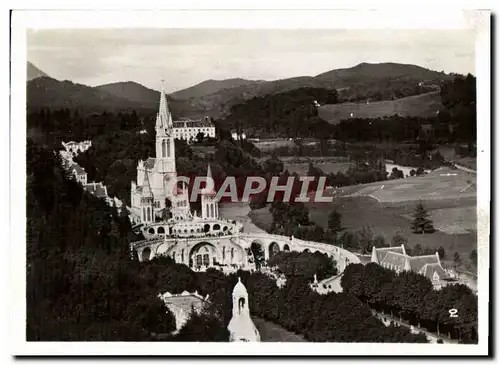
[(163, 119), (147, 192), (209, 172), (239, 289), (209, 189)]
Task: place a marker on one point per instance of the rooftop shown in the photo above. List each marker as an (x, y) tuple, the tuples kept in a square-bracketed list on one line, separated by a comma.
[(97, 189)]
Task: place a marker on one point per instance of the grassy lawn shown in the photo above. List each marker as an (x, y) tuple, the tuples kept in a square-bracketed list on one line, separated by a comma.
[(424, 105), (389, 220), (262, 218), (327, 167)]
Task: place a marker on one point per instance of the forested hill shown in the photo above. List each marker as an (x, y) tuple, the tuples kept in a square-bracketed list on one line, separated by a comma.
[(46, 92), (381, 81), (215, 98), (212, 86), (291, 114)]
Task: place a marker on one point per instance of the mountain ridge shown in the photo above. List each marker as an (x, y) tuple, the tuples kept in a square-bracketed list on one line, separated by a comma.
[(214, 98), (33, 72)]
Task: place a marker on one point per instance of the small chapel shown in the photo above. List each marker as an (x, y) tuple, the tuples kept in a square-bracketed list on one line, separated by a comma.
[(241, 326)]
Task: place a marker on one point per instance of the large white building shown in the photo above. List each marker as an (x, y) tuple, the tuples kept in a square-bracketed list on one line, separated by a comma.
[(188, 129)]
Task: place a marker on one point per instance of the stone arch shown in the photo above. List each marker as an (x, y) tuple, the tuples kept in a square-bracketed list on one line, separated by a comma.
[(286, 248), (151, 230), (146, 254), (306, 250), (161, 230), (258, 252), (241, 304), (216, 227), (206, 228), (203, 254), (273, 248)]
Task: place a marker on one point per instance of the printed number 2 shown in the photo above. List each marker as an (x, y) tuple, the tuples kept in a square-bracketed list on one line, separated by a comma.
[(453, 312)]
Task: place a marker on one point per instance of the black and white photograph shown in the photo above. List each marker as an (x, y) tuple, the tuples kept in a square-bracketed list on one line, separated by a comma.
[(250, 182)]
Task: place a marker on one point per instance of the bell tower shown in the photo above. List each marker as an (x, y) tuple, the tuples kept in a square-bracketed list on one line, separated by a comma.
[(209, 204), (165, 148)]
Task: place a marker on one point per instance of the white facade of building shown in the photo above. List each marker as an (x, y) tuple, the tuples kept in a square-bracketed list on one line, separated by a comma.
[(188, 129)]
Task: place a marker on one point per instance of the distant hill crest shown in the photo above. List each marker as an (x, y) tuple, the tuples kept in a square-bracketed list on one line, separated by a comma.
[(33, 72)]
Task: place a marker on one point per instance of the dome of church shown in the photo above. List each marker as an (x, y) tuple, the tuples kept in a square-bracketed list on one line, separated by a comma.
[(239, 289)]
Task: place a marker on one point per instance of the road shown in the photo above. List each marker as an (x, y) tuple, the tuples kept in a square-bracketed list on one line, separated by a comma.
[(271, 332)]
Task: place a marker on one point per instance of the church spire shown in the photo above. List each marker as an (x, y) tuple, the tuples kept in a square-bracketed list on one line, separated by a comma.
[(163, 118), (209, 172), (147, 193)]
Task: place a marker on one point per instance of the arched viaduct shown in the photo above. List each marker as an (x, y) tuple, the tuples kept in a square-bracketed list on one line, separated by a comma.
[(233, 250)]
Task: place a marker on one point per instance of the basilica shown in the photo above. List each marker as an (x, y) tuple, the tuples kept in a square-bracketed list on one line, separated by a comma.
[(160, 209), (152, 196)]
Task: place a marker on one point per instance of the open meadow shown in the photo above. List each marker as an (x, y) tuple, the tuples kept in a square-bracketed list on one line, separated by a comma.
[(423, 105), (326, 164), (387, 208)]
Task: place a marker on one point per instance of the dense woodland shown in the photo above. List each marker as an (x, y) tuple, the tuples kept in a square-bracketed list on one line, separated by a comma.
[(412, 297), (81, 281), (83, 285), (287, 114)]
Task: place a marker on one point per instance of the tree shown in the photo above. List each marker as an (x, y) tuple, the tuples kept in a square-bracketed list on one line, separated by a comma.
[(366, 237), (335, 222), (441, 252), (398, 240), (456, 259), (473, 257), (417, 250), (396, 174), (200, 137), (421, 223), (379, 241), (420, 171)]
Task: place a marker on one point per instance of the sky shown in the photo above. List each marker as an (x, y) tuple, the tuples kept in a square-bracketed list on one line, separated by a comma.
[(185, 57)]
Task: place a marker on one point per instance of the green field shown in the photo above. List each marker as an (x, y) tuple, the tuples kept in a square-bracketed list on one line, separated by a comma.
[(387, 207), (327, 167), (443, 183), (424, 105), (391, 219)]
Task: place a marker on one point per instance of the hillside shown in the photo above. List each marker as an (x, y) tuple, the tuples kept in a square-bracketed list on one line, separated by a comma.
[(33, 72), (365, 71), (212, 86), (132, 91), (424, 105), (374, 82), (383, 81), (286, 114), (48, 92)]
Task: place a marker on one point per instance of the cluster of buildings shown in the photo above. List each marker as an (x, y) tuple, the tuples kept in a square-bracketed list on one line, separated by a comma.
[(395, 258), (98, 189)]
